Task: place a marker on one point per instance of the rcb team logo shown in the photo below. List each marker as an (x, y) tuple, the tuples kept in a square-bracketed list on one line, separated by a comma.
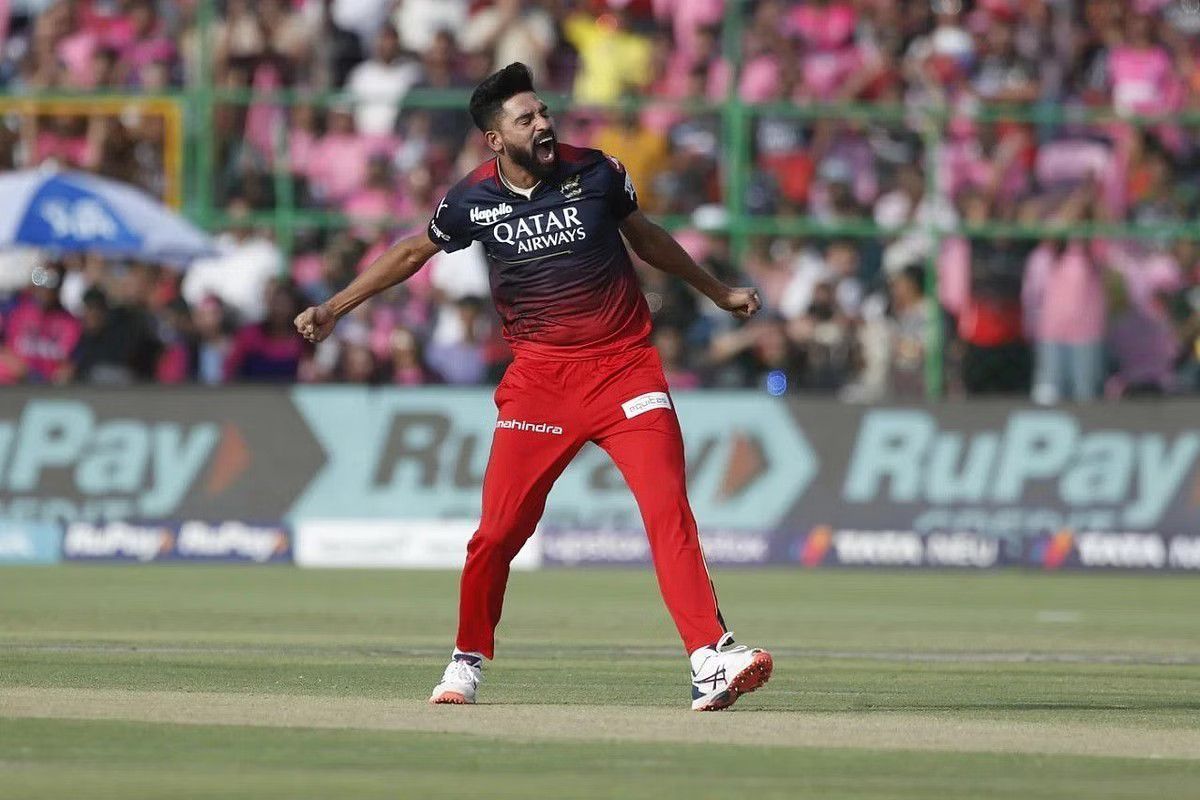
[(571, 187)]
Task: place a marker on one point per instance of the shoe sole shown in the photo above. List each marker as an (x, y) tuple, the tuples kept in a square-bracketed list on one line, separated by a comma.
[(449, 699), (752, 677)]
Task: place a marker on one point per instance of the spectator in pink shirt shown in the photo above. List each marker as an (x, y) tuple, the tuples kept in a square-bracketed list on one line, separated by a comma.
[(408, 362), (1142, 76), (148, 45), (1064, 300), (339, 159), (1064, 309), (687, 17), (1142, 338), (379, 198), (39, 334)]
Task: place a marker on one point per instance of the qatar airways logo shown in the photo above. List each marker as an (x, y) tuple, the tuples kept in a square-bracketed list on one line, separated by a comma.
[(487, 216), (542, 231), (532, 427)]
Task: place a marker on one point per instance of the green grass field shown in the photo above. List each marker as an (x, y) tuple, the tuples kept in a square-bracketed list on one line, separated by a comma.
[(258, 682)]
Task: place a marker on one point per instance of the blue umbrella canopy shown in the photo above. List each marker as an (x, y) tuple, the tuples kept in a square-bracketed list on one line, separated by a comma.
[(76, 212)]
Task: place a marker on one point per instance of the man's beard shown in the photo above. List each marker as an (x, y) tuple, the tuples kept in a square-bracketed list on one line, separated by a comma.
[(525, 159)]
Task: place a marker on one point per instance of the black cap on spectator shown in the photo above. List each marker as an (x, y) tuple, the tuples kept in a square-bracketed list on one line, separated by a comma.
[(495, 89)]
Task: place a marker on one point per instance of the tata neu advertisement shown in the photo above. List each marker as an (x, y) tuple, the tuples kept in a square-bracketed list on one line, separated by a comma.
[(807, 482)]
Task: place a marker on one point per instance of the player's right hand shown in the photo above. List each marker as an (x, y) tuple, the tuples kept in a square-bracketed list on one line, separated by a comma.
[(315, 323), (742, 301)]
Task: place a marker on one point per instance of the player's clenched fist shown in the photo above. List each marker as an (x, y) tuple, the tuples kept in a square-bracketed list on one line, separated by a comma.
[(315, 323), (742, 302)]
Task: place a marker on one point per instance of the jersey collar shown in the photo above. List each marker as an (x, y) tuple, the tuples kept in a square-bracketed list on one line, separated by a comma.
[(526, 193)]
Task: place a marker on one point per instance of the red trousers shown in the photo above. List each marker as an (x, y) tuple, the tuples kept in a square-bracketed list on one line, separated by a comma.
[(548, 411)]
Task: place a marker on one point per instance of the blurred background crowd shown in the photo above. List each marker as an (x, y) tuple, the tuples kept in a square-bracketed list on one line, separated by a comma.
[(1062, 318)]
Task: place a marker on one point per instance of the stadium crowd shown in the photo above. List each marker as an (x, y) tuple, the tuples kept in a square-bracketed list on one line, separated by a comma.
[(1062, 319)]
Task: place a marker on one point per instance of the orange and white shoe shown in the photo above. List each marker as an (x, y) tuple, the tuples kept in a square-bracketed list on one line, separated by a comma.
[(723, 672), (460, 680)]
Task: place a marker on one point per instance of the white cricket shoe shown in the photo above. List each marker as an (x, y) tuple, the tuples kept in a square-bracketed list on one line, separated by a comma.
[(724, 671), (460, 680)]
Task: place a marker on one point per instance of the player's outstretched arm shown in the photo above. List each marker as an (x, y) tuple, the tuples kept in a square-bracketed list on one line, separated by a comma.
[(660, 250), (398, 264)]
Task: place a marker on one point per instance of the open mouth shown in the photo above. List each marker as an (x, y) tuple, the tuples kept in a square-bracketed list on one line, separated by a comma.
[(543, 149)]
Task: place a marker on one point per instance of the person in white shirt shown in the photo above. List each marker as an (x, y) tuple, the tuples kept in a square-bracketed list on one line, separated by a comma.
[(380, 83)]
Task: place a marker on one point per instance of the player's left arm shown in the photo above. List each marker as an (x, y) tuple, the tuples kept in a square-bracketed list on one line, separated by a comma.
[(660, 250)]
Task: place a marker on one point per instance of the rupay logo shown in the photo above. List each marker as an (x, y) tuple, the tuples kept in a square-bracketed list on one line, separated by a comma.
[(1117, 478), (122, 467)]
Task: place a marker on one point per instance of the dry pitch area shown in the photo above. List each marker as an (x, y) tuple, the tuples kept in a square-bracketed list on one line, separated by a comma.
[(273, 682)]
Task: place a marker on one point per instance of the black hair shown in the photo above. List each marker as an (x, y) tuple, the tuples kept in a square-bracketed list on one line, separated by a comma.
[(494, 90), (96, 298), (915, 274)]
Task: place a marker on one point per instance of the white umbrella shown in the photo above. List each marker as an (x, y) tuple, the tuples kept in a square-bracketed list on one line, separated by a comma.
[(73, 212)]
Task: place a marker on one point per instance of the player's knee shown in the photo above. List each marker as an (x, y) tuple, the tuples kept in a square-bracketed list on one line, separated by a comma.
[(496, 542)]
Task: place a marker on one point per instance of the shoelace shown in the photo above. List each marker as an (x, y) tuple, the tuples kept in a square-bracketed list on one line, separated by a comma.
[(462, 672)]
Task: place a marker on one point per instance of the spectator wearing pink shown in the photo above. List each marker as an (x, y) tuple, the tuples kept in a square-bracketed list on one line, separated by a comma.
[(340, 158), (303, 135), (954, 275), (1142, 75), (1067, 162), (1064, 306), (264, 119), (77, 52), (62, 139), (408, 362), (149, 44), (378, 199), (823, 24), (39, 334), (831, 56), (759, 83), (687, 17), (1142, 337), (1001, 169)]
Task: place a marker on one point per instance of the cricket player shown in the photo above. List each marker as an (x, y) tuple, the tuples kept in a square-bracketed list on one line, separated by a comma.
[(551, 217)]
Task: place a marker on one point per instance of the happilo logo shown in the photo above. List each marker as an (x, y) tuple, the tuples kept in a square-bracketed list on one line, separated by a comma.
[(58, 462), (645, 402), (1037, 472), (490, 216), (542, 231), (531, 427)]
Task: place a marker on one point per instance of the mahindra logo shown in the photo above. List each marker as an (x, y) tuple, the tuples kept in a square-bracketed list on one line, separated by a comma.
[(486, 216), (532, 427)]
